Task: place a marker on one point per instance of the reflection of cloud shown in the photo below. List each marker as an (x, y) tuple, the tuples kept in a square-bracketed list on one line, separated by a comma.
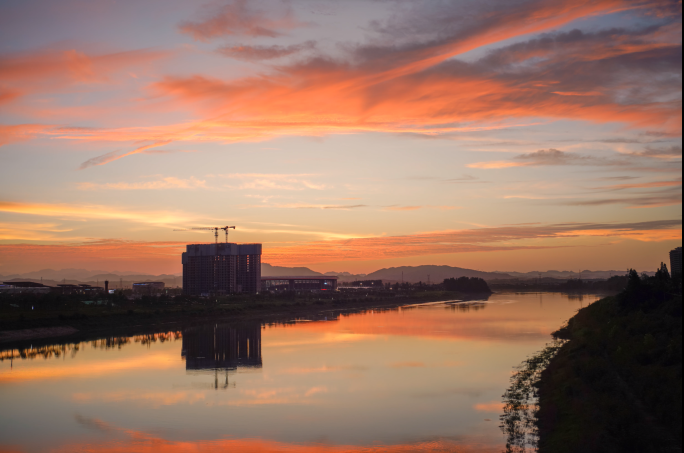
[(140, 442), (90, 369), (315, 390), (323, 369), (325, 338), (156, 399), (495, 406)]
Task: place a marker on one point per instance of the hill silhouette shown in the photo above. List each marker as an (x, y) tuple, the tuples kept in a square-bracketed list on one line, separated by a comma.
[(437, 274)]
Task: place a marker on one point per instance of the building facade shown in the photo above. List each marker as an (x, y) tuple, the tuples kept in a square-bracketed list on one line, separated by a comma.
[(676, 261), (216, 269), (277, 284)]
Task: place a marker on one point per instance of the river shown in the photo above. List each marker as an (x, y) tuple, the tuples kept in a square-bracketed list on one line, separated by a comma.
[(423, 378)]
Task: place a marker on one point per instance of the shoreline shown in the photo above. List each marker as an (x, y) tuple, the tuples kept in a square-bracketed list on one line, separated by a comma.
[(83, 327)]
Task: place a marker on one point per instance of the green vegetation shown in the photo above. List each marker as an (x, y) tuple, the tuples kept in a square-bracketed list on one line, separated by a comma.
[(121, 310), (616, 383), (519, 421), (467, 285), (613, 285)]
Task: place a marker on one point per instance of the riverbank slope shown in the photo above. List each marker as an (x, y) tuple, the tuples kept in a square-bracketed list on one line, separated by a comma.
[(616, 385)]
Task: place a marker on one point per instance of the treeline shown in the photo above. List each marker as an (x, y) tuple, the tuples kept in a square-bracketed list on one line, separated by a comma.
[(615, 385), (614, 284), (467, 285)]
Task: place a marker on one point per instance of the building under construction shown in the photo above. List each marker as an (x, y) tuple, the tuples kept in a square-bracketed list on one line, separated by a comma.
[(216, 269)]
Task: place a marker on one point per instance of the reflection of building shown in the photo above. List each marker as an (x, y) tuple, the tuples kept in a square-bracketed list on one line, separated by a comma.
[(218, 347), (676, 261), (275, 284), (222, 269), (149, 288)]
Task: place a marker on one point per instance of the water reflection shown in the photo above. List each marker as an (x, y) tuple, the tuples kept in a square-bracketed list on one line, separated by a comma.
[(425, 378), (221, 347), (61, 350)]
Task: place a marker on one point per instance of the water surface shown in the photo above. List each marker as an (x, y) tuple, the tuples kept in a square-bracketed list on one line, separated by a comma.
[(426, 378)]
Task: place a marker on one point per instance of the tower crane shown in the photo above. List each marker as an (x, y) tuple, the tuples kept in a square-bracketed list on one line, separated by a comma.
[(215, 230)]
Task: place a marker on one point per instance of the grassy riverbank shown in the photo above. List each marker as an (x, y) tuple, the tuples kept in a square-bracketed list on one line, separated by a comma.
[(155, 313), (616, 384)]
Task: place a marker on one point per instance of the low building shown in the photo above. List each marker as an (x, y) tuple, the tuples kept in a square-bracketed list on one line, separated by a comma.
[(676, 261), (25, 287), (149, 288), (78, 289), (278, 284)]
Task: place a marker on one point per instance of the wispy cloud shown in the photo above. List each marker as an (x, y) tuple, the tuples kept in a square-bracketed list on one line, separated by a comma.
[(499, 239), (150, 217), (242, 18), (643, 185), (169, 182), (263, 181), (548, 157), (260, 53)]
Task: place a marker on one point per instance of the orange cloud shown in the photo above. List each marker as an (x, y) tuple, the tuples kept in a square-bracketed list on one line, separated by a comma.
[(93, 212), (166, 255), (45, 71), (394, 89), (242, 18), (644, 185), (146, 257), (164, 183)]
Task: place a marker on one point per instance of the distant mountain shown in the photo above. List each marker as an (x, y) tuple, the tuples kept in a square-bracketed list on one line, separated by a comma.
[(276, 271), (73, 274), (568, 275), (437, 274), (115, 280)]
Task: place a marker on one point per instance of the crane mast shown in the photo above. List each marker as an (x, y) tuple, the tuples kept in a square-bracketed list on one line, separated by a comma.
[(214, 229)]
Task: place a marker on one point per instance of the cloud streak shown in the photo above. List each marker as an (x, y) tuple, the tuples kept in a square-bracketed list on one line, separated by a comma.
[(242, 18), (260, 53), (551, 157)]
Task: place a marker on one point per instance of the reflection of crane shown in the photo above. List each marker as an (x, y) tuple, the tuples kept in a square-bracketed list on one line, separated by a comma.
[(215, 230)]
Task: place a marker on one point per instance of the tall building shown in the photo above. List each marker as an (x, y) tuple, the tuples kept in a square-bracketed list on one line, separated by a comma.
[(222, 269), (676, 261)]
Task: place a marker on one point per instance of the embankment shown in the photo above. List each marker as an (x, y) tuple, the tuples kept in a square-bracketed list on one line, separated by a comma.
[(616, 384)]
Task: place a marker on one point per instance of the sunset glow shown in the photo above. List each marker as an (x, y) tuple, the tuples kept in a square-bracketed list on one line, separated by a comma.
[(344, 136)]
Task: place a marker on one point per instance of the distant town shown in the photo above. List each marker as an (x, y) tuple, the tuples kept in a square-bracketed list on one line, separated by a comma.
[(222, 269)]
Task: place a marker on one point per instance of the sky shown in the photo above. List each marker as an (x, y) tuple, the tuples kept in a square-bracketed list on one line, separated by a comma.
[(507, 135)]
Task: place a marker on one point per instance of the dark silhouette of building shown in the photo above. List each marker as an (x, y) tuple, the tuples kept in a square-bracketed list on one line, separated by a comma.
[(149, 288), (222, 269), (25, 287), (221, 347), (276, 284), (676, 261)]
